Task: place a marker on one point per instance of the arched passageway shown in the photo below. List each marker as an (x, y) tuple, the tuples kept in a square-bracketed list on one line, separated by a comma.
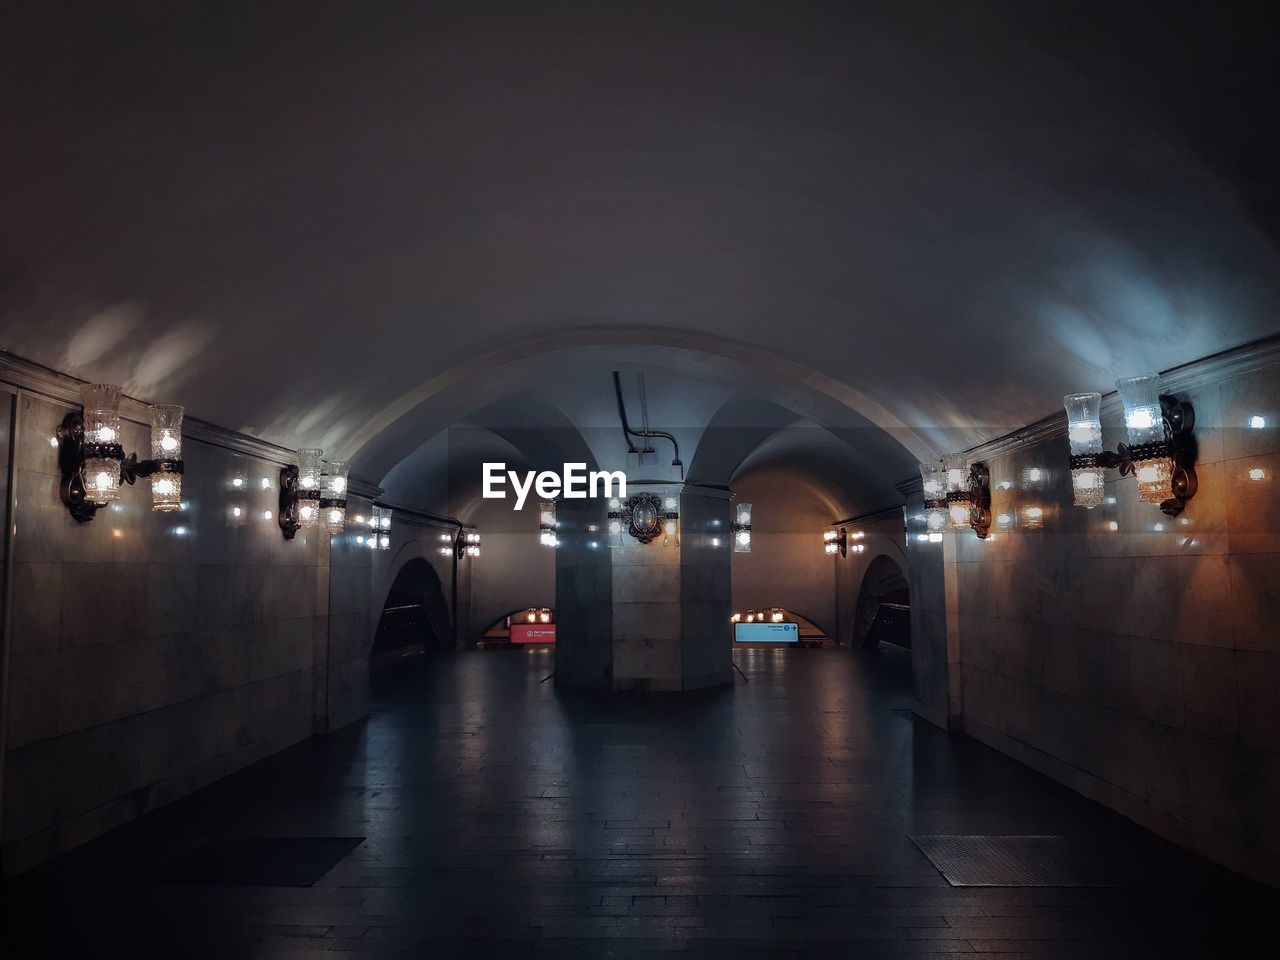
[(414, 616), (883, 613)]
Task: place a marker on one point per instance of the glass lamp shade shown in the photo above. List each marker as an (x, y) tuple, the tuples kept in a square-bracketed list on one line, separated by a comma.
[(1087, 486), (1084, 423), (101, 480), (547, 523), (309, 470), (1032, 518), (959, 513), (935, 519), (955, 476), (335, 480), (166, 445), (309, 476), (166, 432), (1142, 415), (335, 519), (101, 413), (333, 505), (742, 528), (615, 532), (932, 481), (1155, 480)]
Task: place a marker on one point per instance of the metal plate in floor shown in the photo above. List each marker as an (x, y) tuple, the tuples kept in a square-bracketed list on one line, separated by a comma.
[(256, 861), (1023, 861)]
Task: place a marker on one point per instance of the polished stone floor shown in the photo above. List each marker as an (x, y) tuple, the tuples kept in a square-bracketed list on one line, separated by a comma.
[(506, 818)]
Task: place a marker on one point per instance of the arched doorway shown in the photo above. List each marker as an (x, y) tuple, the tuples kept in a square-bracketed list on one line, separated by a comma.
[(883, 613), (415, 615)]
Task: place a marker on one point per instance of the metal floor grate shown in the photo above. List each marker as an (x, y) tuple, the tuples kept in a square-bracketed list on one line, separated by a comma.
[(1030, 861), (256, 861)]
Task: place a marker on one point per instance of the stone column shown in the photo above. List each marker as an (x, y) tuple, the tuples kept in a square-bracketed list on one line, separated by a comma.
[(644, 616)]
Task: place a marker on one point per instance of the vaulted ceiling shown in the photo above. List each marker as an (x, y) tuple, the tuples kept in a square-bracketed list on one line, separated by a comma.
[(353, 225)]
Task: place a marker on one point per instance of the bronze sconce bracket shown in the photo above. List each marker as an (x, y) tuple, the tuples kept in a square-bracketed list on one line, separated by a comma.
[(72, 453), (71, 456), (643, 515), (1179, 446), (288, 513), (980, 499)]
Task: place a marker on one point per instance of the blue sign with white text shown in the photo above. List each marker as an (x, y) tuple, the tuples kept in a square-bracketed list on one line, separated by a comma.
[(784, 632)]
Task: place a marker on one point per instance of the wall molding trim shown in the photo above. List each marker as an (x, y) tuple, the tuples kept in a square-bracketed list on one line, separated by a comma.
[(50, 384)]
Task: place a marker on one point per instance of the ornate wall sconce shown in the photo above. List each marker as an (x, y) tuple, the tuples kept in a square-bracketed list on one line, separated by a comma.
[(1084, 434), (469, 544), (333, 501), (300, 492), (644, 517), (92, 458), (933, 485), (956, 495), (835, 540), (741, 527), (547, 524), (380, 523), (1160, 454)]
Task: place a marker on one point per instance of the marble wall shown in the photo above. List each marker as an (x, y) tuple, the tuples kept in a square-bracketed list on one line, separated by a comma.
[(150, 653), (1133, 656)]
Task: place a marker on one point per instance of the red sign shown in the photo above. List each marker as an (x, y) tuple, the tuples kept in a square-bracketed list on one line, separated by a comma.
[(533, 633)]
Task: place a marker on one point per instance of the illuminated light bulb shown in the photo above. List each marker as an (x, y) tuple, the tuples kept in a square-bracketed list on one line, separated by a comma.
[(1143, 418), (530, 617), (237, 482), (306, 513), (235, 511), (1087, 485), (385, 543), (266, 514), (959, 516), (1257, 473), (715, 541), (338, 484), (1158, 528), (735, 618), (53, 441), (1155, 480), (266, 483), (102, 480), (744, 537), (935, 538), (1113, 526), (1257, 422), (168, 443), (335, 519), (1033, 474)]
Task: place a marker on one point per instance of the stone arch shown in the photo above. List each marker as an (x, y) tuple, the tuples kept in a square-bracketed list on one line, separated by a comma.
[(414, 608), (884, 581)]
